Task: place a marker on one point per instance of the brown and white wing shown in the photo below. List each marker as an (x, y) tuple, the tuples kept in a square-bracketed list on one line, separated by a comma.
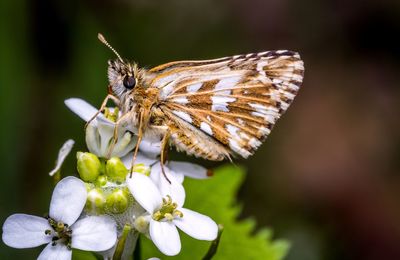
[(227, 105)]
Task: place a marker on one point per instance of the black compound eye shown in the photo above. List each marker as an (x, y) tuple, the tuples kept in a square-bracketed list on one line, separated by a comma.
[(129, 82)]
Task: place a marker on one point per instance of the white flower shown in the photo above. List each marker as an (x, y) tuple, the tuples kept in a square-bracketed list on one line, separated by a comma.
[(174, 171), (181, 169), (100, 132), (62, 154), (61, 230), (165, 215), (140, 158)]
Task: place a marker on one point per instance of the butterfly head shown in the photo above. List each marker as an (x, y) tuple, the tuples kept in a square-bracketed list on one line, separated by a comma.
[(122, 75)]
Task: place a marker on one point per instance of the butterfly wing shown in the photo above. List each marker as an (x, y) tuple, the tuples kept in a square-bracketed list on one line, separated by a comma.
[(227, 105)]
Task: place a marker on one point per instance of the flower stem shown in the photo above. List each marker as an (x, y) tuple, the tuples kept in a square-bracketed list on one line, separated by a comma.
[(214, 244), (121, 243), (57, 177)]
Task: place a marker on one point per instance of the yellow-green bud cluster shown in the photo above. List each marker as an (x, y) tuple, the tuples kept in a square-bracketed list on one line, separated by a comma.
[(95, 202), (88, 166), (105, 181), (116, 170), (110, 199), (168, 210), (100, 171), (117, 201)]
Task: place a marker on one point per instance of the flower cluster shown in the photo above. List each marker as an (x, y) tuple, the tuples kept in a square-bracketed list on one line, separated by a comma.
[(110, 205)]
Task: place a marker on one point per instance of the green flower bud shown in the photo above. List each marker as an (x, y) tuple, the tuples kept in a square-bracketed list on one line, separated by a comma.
[(141, 224), (141, 168), (101, 180), (117, 202), (95, 201), (116, 170), (88, 166)]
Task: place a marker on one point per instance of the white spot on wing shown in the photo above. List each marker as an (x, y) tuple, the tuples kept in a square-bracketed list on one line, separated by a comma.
[(254, 113), (243, 135), (225, 92), (183, 115), (281, 51), (240, 121), (219, 107), (267, 117), (227, 83), (297, 77), (194, 87), (264, 130), (232, 130), (293, 86), (260, 108), (298, 65), (284, 105), (288, 95), (236, 147), (222, 100), (180, 100), (254, 142), (277, 81), (165, 91), (260, 66), (221, 103), (270, 118), (206, 128)]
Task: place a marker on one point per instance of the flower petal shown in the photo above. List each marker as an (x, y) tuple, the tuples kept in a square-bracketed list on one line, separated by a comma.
[(59, 252), (140, 158), (92, 138), (62, 154), (173, 189), (94, 233), (126, 142), (151, 148), (68, 200), (144, 191), (168, 171), (106, 133), (25, 231), (165, 236), (197, 225), (189, 169), (82, 108)]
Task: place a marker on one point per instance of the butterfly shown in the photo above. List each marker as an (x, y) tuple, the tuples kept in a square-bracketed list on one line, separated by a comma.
[(213, 109)]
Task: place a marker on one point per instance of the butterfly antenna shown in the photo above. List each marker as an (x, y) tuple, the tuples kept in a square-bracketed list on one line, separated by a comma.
[(104, 41)]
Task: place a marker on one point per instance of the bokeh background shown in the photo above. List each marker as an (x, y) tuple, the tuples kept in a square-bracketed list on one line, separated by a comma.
[(327, 178)]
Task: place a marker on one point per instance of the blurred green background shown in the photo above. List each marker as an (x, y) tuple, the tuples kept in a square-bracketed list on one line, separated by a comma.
[(327, 178)]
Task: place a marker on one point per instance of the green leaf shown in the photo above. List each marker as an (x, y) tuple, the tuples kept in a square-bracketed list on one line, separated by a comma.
[(82, 255), (216, 197)]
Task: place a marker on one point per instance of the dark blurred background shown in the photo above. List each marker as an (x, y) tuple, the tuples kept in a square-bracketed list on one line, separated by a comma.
[(327, 178)]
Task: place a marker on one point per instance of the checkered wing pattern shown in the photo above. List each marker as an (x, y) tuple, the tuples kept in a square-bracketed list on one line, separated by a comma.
[(227, 106)]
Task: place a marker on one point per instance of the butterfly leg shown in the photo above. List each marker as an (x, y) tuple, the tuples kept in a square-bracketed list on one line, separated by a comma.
[(103, 105), (140, 136), (115, 133), (163, 156)]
